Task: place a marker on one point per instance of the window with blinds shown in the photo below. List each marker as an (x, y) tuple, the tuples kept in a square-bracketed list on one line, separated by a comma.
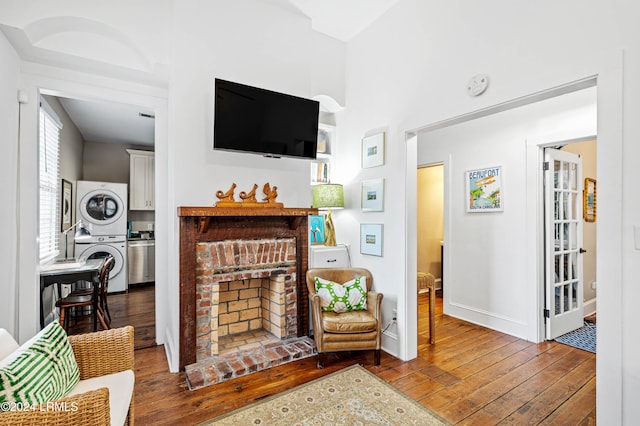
[(49, 178)]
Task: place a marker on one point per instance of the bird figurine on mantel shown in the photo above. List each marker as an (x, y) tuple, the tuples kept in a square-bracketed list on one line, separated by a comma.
[(251, 196), (226, 198), (271, 195)]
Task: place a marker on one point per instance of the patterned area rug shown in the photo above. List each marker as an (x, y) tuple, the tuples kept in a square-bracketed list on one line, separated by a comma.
[(352, 396), (582, 338)]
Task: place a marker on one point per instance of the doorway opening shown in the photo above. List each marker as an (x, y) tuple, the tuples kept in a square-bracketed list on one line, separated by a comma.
[(484, 251), (430, 247), (95, 141)]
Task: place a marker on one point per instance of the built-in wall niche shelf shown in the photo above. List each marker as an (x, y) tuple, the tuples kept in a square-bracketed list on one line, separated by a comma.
[(320, 172), (326, 134), (321, 168)]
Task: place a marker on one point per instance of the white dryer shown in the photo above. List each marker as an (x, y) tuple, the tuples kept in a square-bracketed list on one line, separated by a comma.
[(103, 206), (97, 247)]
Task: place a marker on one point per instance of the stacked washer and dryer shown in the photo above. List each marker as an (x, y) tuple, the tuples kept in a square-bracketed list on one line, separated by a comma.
[(102, 208)]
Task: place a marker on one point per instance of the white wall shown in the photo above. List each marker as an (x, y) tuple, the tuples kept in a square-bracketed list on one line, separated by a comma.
[(107, 162), (9, 84), (201, 40), (628, 293), (410, 69), (227, 42), (121, 33), (221, 40)]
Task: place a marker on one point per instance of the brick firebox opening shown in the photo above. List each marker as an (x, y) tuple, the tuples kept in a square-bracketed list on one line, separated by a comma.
[(243, 286)]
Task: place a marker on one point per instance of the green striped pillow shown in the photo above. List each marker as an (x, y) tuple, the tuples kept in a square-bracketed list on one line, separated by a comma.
[(43, 369)]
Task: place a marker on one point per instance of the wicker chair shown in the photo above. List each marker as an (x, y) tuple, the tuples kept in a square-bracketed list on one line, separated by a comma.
[(97, 354)]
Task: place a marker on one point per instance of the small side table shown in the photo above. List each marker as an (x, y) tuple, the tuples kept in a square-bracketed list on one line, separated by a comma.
[(63, 274), (426, 281)]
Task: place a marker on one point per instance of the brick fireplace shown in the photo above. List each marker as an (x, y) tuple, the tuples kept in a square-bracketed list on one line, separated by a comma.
[(234, 256)]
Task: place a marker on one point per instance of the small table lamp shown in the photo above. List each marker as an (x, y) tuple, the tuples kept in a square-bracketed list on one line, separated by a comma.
[(81, 231), (326, 197)]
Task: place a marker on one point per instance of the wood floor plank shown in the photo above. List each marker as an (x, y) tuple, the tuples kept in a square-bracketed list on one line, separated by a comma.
[(554, 396), (488, 345), (580, 408), (475, 381), (134, 307), (488, 359), (489, 386), (472, 375), (500, 408)]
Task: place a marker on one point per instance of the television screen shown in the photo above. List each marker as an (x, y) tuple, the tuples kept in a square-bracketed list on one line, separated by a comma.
[(261, 121)]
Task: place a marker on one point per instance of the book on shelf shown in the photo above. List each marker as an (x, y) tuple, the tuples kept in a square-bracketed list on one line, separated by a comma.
[(319, 172)]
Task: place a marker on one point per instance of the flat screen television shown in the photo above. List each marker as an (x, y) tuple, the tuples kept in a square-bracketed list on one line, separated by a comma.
[(250, 119)]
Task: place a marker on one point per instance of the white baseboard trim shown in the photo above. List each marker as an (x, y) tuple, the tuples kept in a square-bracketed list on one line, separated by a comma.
[(391, 335), (589, 307), (390, 343), (172, 356)]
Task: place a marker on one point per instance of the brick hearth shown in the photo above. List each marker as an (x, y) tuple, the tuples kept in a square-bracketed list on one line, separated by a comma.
[(236, 364)]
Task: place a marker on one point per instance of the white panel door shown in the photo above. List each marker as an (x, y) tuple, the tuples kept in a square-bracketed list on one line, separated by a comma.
[(563, 242)]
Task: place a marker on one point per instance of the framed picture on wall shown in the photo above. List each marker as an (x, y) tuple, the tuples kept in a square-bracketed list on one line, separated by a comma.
[(373, 150), (484, 190), (316, 229), (371, 239), (373, 195), (589, 200), (66, 205)]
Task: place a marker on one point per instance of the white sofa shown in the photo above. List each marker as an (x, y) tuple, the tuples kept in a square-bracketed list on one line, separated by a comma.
[(102, 396)]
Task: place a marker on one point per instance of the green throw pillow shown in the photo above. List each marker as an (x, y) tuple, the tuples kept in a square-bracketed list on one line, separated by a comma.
[(43, 369), (350, 296)]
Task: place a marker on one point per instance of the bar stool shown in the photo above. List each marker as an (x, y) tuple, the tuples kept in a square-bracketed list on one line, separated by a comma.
[(427, 282)]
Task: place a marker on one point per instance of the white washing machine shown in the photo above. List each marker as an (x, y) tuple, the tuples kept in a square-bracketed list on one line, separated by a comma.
[(103, 206), (96, 247)]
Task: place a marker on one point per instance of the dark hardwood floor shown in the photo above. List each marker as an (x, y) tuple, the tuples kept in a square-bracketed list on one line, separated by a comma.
[(472, 375), (135, 307)]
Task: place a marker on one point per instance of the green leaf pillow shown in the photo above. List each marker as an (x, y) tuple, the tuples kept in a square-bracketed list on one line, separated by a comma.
[(43, 369), (346, 297)]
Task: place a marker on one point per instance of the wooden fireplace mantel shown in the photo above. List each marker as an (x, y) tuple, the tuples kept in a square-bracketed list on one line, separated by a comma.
[(204, 214), (206, 224)]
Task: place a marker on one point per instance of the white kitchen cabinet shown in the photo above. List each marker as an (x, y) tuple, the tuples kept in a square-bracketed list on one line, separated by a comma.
[(141, 180)]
